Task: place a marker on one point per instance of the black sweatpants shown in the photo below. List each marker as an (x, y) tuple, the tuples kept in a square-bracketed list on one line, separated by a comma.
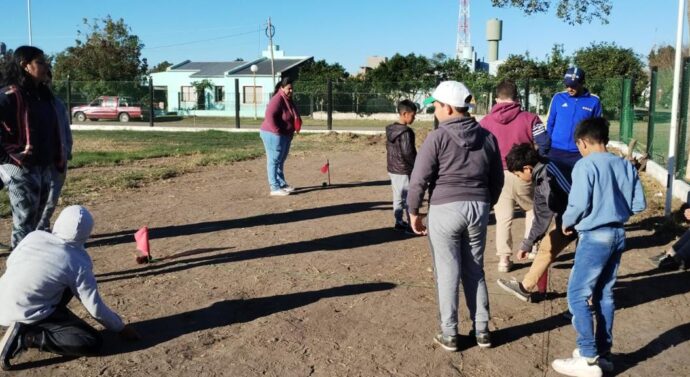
[(63, 333)]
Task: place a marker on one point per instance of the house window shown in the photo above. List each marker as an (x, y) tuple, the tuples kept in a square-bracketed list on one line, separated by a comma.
[(188, 94), (250, 92), (219, 94)]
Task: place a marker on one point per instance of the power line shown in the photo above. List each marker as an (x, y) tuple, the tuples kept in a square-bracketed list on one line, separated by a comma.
[(202, 40)]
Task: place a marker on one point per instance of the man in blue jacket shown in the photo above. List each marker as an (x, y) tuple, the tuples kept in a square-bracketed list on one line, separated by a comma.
[(567, 110)]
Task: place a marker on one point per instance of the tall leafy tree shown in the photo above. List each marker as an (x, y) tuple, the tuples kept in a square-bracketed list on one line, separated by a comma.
[(574, 12), (106, 57), (520, 67), (403, 76)]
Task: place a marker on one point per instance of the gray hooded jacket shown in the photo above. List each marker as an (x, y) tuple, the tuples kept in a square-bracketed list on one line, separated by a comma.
[(460, 161), (43, 265)]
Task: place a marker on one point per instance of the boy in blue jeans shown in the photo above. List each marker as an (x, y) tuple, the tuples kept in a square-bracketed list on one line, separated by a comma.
[(606, 191)]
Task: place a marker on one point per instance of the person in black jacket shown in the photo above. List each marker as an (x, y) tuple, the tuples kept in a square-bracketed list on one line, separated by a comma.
[(400, 156), (551, 189)]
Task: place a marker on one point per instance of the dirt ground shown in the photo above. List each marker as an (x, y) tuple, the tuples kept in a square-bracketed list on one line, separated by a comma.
[(318, 284)]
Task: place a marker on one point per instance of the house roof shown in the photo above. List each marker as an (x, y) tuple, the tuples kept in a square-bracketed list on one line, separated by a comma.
[(264, 66), (207, 69)]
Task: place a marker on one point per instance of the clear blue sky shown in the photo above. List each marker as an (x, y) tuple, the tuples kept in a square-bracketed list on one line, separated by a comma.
[(342, 32)]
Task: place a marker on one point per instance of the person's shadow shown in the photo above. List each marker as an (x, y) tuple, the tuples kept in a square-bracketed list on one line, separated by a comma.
[(159, 330)]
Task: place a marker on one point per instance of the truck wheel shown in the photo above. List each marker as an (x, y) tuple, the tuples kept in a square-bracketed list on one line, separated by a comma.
[(80, 116), (124, 117)]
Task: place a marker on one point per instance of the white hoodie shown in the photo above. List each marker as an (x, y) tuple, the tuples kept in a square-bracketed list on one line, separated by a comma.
[(43, 265)]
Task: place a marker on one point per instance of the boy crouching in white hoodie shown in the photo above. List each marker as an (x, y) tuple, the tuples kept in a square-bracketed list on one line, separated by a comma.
[(43, 273)]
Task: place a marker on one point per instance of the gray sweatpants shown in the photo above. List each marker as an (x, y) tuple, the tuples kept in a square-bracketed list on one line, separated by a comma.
[(457, 236), (400, 184)]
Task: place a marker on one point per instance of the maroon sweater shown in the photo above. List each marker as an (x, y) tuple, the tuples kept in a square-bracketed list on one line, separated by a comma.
[(279, 119)]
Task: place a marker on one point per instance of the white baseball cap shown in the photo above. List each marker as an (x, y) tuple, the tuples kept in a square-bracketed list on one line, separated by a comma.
[(451, 93)]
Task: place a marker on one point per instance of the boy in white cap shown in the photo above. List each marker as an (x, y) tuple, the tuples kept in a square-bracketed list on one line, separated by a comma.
[(460, 164), (43, 273)]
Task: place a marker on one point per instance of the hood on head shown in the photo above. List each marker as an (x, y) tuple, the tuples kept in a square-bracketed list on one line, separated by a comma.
[(506, 112), (74, 224)]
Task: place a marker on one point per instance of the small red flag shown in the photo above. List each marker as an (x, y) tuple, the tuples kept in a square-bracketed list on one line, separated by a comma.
[(142, 239), (324, 169)]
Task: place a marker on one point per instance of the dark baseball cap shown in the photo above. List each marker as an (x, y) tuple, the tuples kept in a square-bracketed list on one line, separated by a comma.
[(574, 76)]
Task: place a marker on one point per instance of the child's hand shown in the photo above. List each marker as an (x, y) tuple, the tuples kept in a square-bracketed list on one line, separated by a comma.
[(522, 255), (687, 214), (417, 225), (567, 231)]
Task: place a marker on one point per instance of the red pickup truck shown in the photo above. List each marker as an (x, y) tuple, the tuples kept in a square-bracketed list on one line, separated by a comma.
[(107, 108)]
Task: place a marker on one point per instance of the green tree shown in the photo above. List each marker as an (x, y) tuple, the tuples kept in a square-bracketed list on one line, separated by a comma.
[(556, 63), (521, 67), (605, 64), (403, 76), (161, 67), (570, 11), (106, 57), (663, 57)]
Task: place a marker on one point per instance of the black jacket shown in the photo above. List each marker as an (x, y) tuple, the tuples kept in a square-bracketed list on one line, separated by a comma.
[(400, 149), (551, 189)]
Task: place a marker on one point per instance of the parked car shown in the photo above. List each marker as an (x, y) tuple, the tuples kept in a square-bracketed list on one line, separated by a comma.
[(106, 107)]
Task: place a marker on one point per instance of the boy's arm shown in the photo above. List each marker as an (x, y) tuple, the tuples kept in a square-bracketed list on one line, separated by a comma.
[(496, 175), (542, 218), (598, 110), (540, 136), (86, 290), (551, 120), (580, 197), (409, 153), (639, 202), (425, 167)]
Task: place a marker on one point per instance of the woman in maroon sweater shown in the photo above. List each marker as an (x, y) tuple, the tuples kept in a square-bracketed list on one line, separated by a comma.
[(279, 125)]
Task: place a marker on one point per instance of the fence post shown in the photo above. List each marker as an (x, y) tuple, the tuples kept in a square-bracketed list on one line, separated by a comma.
[(626, 111), (151, 114), (329, 119), (526, 96), (682, 154), (69, 98), (237, 103), (651, 112)]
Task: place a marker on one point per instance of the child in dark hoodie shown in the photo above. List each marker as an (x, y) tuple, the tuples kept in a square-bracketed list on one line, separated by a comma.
[(400, 155), (460, 164), (512, 126)]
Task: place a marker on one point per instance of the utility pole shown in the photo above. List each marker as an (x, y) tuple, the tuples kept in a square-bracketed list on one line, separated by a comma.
[(270, 32), (28, 7)]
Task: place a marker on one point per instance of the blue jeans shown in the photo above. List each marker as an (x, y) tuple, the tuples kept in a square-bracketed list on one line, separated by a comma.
[(277, 149), (597, 258)]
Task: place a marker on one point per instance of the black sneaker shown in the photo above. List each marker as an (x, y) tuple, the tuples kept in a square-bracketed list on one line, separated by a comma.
[(666, 261), (513, 286), (483, 339), (11, 345), (402, 227), (448, 343)]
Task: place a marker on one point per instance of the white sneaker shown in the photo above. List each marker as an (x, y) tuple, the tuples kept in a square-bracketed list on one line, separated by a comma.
[(288, 188), (605, 364), (279, 193), (577, 367), (505, 265)]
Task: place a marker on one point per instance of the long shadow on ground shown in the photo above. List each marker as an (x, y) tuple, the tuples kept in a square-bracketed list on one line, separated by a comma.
[(224, 313), (628, 294), (332, 243), (126, 236), (306, 189)]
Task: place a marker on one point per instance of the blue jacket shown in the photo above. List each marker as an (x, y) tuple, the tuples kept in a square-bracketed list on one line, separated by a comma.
[(606, 191), (565, 113)]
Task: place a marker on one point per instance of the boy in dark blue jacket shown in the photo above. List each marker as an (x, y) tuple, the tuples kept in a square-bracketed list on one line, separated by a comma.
[(551, 189)]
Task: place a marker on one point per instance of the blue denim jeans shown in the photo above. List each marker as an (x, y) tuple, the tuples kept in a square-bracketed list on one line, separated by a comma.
[(597, 258), (277, 149)]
